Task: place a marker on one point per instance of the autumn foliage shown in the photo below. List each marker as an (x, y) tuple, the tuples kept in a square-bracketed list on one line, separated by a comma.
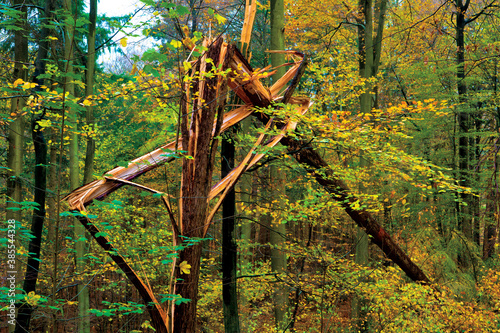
[(386, 119)]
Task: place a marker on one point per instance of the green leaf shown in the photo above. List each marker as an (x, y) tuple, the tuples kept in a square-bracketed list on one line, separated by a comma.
[(123, 164), (182, 10)]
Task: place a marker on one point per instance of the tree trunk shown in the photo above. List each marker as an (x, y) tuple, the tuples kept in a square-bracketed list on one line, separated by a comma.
[(369, 58), (464, 220), (74, 170), (245, 188), (491, 222), (365, 47), (16, 128), (196, 183), (81, 244), (69, 32), (31, 277), (89, 90), (229, 248), (278, 257)]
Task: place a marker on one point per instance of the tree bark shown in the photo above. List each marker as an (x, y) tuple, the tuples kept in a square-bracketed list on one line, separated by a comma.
[(196, 183), (464, 220), (229, 247), (89, 90), (16, 127), (277, 178), (365, 47), (491, 222), (82, 244), (21, 57), (370, 48), (31, 277)]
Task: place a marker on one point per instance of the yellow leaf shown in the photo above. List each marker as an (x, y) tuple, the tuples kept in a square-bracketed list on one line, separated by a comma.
[(188, 42), (187, 65), (52, 38), (18, 82), (175, 43), (261, 6), (146, 324), (220, 19), (123, 42), (185, 267), (86, 102), (32, 298), (28, 85)]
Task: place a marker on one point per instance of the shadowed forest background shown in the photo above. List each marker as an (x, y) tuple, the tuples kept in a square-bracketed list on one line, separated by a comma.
[(401, 140)]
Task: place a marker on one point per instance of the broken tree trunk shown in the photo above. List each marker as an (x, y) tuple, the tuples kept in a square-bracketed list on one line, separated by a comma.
[(307, 156), (198, 140), (197, 134)]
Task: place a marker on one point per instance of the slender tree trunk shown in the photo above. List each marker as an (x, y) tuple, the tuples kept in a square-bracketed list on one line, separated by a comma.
[(490, 238), (464, 216), (492, 217), (70, 88), (367, 69), (365, 46), (31, 277), (16, 127), (74, 170), (82, 244), (89, 90), (492, 211), (278, 257), (229, 248), (245, 188), (16, 142), (246, 181), (15, 153)]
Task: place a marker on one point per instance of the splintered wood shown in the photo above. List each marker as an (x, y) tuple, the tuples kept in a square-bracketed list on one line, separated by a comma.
[(244, 82)]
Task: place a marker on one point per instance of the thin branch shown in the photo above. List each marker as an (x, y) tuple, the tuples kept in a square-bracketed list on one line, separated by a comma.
[(474, 17)]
